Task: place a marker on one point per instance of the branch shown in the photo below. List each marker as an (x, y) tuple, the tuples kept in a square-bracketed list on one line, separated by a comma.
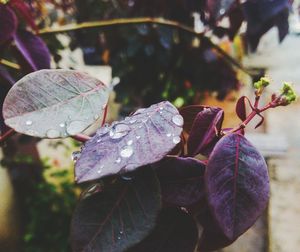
[(6, 135), (10, 64), (144, 20)]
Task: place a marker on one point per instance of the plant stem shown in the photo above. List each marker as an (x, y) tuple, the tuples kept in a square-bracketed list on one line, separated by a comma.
[(6, 135), (81, 138)]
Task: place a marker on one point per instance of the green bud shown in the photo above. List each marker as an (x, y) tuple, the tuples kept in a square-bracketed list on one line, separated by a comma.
[(288, 92), (262, 83)]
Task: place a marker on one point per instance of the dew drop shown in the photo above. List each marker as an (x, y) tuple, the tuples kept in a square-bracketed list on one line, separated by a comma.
[(161, 108), (130, 142), (138, 137), (76, 127), (52, 133), (126, 152), (132, 121), (76, 155), (119, 131), (28, 123), (100, 169), (118, 160), (176, 139), (62, 125), (103, 130), (119, 238), (178, 120), (169, 134), (99, 140), (127, 178), (121, 232)]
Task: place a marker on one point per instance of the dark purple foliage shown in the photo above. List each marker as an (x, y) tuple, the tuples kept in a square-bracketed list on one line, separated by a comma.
[(205, 130), (262, 15), (8, 24), (119, 216), (241, 108), (237, 184), (212, 237), (175, 231), (181, 180), (33, 50), (143, 138), (189, 114)]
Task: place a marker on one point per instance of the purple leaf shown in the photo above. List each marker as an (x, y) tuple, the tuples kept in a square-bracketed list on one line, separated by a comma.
[(54, 103), (143, 138), (118, 217), (8, 23), (181, 180), (33, 50), (262, 15), (241, 108), (204, 132), (24, 10), (212, 237), (175, 231), (237, 184), (189, 114)]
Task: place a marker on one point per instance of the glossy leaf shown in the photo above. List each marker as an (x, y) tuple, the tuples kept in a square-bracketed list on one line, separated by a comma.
[(205, 130), (54, 103), (237, 184), (8, 23), (33, 50), (143, 138), (175, 231), (119, 216), (181, 180)]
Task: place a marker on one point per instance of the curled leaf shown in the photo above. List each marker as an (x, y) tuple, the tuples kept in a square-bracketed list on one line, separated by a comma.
[(119, 216), (143, 138), (237, 184), (181, 180), (205, 130), (54, 103)]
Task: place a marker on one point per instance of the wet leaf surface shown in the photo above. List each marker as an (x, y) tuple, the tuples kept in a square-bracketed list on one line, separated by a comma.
[(143, 138), (54, 103), (119, 216)]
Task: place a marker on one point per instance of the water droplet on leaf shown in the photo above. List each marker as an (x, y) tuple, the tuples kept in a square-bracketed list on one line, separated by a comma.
[(130, 142), (76, 155), (126, 152), (28, 123), (169, 134), (62, 125), (118, 160), (138, 137), (177, 120), (52, 133), (176, 139), (76, 127), (119, 131)]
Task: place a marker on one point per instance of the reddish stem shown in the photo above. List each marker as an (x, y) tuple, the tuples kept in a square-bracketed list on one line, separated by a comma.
[(104, 115), (6, 135), (81, 138)]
